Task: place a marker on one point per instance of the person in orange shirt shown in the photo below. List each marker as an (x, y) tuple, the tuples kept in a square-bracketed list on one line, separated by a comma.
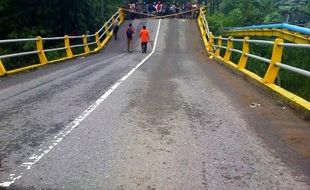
[(144, 38)]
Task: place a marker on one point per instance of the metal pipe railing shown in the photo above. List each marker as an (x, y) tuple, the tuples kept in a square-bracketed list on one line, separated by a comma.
[(54, 49), (75, 37), (237, 40), (17, 40), (53, 38), (236, 50), (39, 42), (79, 45), (101, 35), (91, 43), (91, 35), (274, 63), (18, 54), (295, 45), (293, 69), (258, 58), (261, 42)]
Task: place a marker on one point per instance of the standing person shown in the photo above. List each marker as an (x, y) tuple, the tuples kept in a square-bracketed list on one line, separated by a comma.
[(188, 7), (159, 8), (194, 8), (144, 38), (132, 8), (115, 28), (129, 34)]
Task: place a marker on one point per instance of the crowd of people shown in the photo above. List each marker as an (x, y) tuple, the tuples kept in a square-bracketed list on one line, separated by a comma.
[(158, 9), (143, 10)]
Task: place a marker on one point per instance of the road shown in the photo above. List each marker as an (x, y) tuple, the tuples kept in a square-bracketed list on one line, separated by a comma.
[(178, 121)]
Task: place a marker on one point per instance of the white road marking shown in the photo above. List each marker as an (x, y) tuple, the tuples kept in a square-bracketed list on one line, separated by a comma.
[(45, 149)]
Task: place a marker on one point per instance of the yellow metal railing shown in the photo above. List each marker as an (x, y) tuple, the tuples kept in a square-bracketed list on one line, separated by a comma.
[(101, 37), (280, 33), (274, 63)]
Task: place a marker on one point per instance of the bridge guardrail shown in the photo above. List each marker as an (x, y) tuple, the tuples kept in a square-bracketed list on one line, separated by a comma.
[(102, 36), (274, 63)]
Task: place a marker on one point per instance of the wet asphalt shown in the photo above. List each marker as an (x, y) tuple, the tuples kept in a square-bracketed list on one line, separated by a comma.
[(173, 124)]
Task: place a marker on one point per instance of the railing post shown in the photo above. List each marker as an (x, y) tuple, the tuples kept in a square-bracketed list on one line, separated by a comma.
[(219, 43), (2, 69), (40, 49), (228, 51), (106, 26), (121, 15), (67, 46), (272, 71), (86, 48), (211, 42), (98, 40), (245, 49), (200, 14)]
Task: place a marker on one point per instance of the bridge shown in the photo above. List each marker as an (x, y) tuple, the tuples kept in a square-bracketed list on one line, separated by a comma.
[(182, 116)]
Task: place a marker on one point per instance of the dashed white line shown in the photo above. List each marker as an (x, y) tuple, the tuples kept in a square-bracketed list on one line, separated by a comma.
[(45, 149)]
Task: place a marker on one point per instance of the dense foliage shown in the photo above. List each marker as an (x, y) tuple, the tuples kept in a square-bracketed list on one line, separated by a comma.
[(24, 18), (229, 13)]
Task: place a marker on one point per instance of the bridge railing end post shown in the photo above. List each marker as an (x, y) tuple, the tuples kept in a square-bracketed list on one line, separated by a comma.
[(107, 32), (97, 41), (245, 50), (211, 42), (67, 46), (40, 49), (272, 71), (2, 69), (121, 13), (228, 51), (218, 50), (86, 48)]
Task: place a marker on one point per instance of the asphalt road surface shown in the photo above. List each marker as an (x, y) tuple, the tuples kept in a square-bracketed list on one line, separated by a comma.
[(177, 121)]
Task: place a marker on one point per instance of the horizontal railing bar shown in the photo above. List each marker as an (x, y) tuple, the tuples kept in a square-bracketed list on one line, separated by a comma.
[(258, 58), (110, 26), (18, 54), (236, 50), (75, 37), (224, 47), (91, 35), (102, 35), (293, 69), (107, 22), (112, 17), (237, 40), (216, 38), (261, 42), (91, 43), (225, 39), (295, 45), (54, 49), (206, 25), (217, 46), (101, 28), (17, 40), (53, 38), (75, 46)]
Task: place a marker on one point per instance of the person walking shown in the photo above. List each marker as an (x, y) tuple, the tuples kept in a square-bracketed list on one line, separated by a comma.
[(115, 28), (144, 38), (129, 34)]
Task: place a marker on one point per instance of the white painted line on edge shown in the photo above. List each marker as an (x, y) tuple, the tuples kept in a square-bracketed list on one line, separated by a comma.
[(45, 149)]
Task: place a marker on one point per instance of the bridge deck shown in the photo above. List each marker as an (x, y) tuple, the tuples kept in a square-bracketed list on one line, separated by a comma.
[(178, 122)]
